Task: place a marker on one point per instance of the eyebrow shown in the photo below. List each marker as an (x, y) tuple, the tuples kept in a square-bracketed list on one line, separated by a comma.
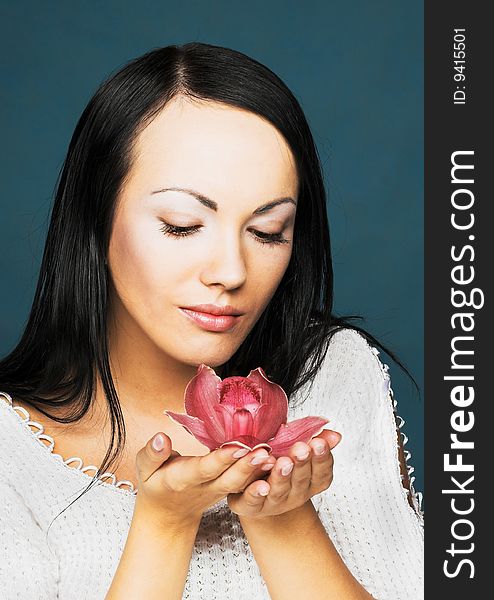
[(208, 203)]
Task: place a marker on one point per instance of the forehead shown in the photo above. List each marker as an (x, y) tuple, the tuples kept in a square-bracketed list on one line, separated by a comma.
[(214, 148)]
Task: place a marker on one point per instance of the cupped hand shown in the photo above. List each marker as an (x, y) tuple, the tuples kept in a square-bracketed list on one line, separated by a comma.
[(292, 480), (175, 490)]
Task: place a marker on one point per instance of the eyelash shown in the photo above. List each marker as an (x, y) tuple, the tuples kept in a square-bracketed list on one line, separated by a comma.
[(178, 232)]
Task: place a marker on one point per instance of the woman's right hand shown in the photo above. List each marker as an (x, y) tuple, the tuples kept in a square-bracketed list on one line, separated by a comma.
[(175, 490)]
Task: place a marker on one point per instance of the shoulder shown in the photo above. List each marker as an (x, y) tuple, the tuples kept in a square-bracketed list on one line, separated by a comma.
[(351, 342), (350, 380), (351, 356), (10, 421)]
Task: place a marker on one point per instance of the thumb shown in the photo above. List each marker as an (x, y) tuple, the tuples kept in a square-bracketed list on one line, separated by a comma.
[(150, 458)]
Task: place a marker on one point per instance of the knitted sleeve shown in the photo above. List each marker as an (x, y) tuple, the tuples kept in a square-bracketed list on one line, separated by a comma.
[(365, 510), (27, 567)]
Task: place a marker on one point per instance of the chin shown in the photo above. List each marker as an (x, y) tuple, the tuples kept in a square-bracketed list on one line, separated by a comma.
[(193, 350)]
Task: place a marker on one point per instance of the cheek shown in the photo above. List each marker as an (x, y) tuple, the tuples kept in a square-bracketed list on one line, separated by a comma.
[(141, 272), (269, 266)]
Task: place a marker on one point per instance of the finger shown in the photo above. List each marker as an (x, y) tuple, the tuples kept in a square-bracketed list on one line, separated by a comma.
[(210, 466), (300, 453), (280, 480), (252, 500), (332, 438), (322, 465), (150, 458), (250, 467)]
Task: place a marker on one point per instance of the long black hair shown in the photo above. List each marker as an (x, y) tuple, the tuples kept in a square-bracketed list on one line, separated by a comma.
[(65, 340)]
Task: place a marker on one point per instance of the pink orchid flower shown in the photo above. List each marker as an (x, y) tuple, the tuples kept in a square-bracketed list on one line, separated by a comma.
[(250, 412)]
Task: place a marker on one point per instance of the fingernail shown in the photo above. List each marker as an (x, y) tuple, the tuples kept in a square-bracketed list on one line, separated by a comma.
[(302, 456), (263, 491), (240, 453), (259, 458), (158, 443), (267, 467), (287, 469), (319, 449), (336, 436)]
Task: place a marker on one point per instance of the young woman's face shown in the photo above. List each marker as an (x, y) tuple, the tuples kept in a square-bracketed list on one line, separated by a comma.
[(236, 162)]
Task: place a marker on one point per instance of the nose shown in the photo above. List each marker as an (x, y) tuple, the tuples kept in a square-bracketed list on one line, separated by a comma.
[(225, 263)]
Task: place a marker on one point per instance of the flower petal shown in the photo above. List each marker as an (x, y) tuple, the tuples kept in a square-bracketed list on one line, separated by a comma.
[(242, 443), (300, 430), (201, 396), (196, 428), (274, 406), (224, 415)]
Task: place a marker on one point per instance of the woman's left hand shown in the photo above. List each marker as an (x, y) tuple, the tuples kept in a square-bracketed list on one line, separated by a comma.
[(309, 476)]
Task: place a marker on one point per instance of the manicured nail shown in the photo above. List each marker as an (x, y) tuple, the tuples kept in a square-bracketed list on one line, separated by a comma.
[(158, 443), (267, 466), (260, 458), (263, 491), (287, 469), (302, 456), (319, 449), (240, 453), (337, 439)]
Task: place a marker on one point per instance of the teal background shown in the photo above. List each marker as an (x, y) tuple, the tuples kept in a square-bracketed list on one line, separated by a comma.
[(357, 70)]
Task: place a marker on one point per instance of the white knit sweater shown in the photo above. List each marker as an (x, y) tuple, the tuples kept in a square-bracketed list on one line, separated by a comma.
[(365, 511)]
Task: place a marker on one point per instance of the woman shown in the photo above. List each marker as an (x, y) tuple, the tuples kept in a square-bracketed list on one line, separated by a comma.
[(192, 179)]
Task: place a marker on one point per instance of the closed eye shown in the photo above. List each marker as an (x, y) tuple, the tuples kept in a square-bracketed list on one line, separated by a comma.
[(260, 236)]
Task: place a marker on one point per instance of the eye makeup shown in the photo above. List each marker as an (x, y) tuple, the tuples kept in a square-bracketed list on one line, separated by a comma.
[(261, 237)]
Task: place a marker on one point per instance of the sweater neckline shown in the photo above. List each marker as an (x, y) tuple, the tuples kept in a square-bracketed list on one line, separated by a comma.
[(39, 434)]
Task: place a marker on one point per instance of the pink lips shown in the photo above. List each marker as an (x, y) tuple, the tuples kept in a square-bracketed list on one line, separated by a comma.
[(211, 322)]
